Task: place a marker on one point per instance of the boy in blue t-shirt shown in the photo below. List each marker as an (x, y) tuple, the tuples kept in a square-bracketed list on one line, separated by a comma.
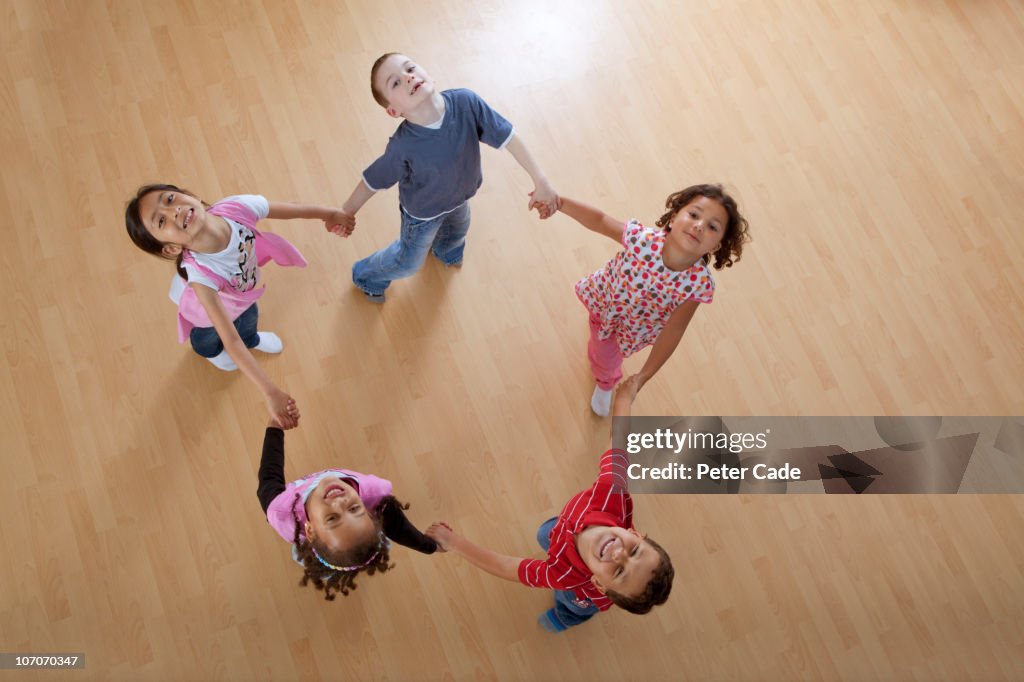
[(434, 156)]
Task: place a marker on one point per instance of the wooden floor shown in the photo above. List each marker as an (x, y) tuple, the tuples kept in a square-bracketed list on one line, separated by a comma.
[(876, 147)]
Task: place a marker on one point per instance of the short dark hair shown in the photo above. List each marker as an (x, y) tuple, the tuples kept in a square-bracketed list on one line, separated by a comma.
[(737, 231), (657, 590), (377, 94)]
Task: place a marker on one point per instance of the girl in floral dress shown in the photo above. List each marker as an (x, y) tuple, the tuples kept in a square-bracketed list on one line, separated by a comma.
[(648, 293)]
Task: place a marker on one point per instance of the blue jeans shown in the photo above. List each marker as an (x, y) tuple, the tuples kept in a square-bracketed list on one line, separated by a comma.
[(445, 236), (568, 612), (207, 343)]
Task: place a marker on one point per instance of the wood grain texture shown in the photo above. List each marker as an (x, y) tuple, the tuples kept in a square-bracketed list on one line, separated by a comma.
[(876, 148)]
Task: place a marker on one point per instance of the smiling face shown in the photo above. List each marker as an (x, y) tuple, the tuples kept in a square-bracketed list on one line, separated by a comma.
[(620, 560), (337, 516), (403, 83), (699, 226), (174, 219)]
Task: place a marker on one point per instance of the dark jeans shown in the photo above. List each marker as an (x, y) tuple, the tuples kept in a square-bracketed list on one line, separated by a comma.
[(567, 610), (207, 343)]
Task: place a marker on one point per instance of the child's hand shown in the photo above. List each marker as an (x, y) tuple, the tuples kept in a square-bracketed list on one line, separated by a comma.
[(441, 533), (545, 210), (274, 424), (625, 392), (283, 409), (340, 223)]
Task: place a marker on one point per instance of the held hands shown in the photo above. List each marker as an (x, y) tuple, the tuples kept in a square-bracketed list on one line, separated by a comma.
[(545, 199), (441, 533), (625, 392), (340, 223), (283, 409)]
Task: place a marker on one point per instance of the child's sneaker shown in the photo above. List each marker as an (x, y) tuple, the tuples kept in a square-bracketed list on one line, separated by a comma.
[(269, 342), (372, 298), (223, 361), (549, 622), (601, 401)]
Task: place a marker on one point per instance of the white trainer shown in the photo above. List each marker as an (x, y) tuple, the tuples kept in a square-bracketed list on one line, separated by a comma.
[(270, 343), (601, 401), (224, 362)]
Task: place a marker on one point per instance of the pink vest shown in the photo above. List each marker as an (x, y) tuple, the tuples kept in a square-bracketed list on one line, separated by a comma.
[(268, 246), (279, 514)]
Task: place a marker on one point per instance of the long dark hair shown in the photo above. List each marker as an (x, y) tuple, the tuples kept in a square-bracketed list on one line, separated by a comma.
[(137, 231)]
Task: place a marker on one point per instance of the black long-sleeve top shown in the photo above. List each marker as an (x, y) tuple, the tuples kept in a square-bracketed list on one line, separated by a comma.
[(271, 484)]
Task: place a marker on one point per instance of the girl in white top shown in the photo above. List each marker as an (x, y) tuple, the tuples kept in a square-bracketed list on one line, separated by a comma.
[(218, 251)]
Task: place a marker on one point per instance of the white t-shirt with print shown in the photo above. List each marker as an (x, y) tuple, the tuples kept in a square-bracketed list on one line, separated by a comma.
[(237, 262)]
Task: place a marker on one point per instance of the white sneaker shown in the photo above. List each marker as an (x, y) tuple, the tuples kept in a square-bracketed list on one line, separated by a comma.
[(269, 343), (224, 362), (601, 401)]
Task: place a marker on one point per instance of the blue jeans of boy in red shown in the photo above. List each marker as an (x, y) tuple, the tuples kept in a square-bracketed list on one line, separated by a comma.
[(567, 612), (444, 235)]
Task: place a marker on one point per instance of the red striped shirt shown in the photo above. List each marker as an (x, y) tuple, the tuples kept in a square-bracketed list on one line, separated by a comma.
[(606, 503)]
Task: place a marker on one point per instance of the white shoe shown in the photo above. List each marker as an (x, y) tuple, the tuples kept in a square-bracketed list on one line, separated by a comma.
[(269, 343), (601, 401), (224, 362)]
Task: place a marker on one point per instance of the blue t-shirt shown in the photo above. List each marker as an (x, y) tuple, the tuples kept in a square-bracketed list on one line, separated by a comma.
[(437, 170)]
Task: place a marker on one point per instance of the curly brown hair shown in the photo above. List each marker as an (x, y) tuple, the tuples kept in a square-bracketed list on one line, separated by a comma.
[(657, 590), (371, 556), (377, 94), (737, 231)]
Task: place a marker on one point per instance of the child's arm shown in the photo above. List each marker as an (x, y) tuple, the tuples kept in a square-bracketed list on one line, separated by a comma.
[(499, 565), (592, 218), (625, 394), (271, 474), (335, 220), (543, 196), (622, 406), (360, 195), (400, 529), (667, 340), (280, 405)]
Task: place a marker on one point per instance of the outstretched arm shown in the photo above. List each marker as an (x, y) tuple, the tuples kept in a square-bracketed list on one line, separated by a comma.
[(499, 565), (667, 340), (335, 220), (360, 195), (622, 406), (543, 197), (271, 474), (592, 218), (280, 405), (399, 528)]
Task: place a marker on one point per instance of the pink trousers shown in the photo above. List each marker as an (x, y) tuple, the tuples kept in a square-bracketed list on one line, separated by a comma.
[(605, 356)]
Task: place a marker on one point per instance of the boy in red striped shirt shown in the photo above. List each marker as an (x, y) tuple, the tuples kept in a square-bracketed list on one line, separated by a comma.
[(595, 556)]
